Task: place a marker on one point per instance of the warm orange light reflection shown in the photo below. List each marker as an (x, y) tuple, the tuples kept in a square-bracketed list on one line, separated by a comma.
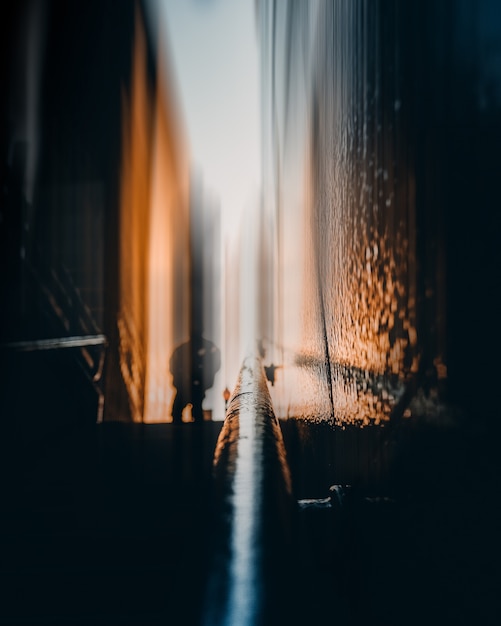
[(134, 230), (169, 295), (348, 329), (154, 239)]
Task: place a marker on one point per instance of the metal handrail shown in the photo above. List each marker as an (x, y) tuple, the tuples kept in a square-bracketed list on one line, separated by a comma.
[(71, 321), (254, 509)]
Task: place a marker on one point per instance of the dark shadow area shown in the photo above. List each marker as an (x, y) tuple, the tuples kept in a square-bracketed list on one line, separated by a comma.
[(109, 525), (410, 534)]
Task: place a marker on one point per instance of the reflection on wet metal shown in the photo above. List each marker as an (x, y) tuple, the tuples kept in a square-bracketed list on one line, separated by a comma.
[(253, 491), (339, 185)]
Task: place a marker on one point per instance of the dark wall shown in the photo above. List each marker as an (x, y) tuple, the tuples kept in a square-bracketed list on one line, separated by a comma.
[(454, 56), (65, 69)]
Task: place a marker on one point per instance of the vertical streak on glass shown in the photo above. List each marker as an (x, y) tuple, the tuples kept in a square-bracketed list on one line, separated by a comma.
[(134, 230), (343, 196), (169, 255), (154, 239)]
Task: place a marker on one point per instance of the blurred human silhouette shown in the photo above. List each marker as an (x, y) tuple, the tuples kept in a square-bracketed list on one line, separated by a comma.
[(270, 372), (193, 366)]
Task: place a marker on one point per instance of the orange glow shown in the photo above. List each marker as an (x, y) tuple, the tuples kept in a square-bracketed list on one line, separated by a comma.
[(169, 296), (134, 230), (363, 299), (154, 240)]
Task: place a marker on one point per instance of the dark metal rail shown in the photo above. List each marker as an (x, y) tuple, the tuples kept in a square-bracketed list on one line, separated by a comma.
[(56, 343), (254, 510)]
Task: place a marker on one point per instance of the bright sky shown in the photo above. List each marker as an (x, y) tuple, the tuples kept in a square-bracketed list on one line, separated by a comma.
[(214, 56)]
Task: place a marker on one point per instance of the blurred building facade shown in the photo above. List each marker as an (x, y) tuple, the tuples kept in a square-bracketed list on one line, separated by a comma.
[(379, 155), (65, 67), (96, 229)]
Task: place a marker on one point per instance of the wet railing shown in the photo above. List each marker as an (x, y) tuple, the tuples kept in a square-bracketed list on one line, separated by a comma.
[(254, 509)]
